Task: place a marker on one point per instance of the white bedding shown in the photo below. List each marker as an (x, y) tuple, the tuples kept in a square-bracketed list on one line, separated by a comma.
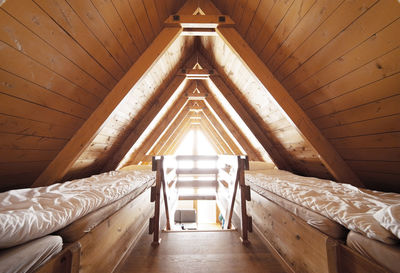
[(27, 214), (29, 256), (351, 207)]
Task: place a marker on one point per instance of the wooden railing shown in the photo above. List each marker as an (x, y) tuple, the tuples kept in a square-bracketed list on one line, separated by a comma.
[(226, 174)]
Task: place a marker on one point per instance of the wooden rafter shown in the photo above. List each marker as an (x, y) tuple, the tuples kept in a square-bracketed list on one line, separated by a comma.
[(82, 138), (176, 83), (251, 151), (208, 128), (330, 158), (258, 132), (218, 126), (166, 122)]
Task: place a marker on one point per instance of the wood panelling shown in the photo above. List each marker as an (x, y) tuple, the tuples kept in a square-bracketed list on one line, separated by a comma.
[(132, 110), (58, 60), (265, 112), (340, 61)]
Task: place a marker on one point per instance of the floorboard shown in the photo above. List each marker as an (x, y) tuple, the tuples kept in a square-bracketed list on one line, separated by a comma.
[(210, 251)]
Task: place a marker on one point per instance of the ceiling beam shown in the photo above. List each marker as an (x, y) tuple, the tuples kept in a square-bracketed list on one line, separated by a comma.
[(207, 127), (86, 133), (330, 158), (223, 132), (251, 151), (175, 85), (174, 116), (202, 7), (197, 22), (254, 127)]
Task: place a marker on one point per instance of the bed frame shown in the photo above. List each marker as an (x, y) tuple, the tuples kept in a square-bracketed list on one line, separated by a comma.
[(106, 245), (301, 248)]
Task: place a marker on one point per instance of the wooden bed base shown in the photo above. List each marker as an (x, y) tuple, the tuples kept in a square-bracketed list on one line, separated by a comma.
[(105, 246), (301, 248)]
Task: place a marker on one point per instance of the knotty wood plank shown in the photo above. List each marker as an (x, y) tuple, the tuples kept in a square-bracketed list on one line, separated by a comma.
[(374, 47), (18, 87), (153, 15), (114, 22), (144, 123), (341, 18), (238, 11), (263, 11), (17, 125), (124, 10), (20, 108), (21, 65), (295, 14), (309, 23), (382, 154), (248, 16), (311, 133), (23, 40), (17, 156), (49, 31), (374, 91), (375, 109), (89, 15), (367, 127), (277, 14), (379, 16), (62, 13), (377, 69), (23, 142), (385, 140), (60, 165), (142, 19)]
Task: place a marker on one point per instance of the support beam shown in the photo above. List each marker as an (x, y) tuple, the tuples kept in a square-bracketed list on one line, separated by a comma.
[(168, 120), (251, 123), (202, 7), (221, 130), (194, 21), (218, 136), (331, 159), (82, 138), (176, 84), (170, 147), (221, 149), (236, 132)]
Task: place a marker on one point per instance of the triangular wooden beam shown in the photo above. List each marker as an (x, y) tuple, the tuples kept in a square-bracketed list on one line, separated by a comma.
[(174, 116), (208, 128), (213, 122), (176, 84), (82, 138), (236, 131), (331, 159)]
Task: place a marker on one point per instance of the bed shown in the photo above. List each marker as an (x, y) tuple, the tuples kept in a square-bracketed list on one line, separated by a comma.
[(77, 211), (324, 217)]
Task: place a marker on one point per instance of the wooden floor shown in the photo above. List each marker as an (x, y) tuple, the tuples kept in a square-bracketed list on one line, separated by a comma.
[(218, 251)]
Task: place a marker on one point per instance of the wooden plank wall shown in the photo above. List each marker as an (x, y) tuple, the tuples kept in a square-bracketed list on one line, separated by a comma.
[(340, 60), (58, 60), (283, 135)]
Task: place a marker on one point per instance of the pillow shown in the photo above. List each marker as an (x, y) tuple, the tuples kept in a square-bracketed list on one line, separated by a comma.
[(260, 165), (135, 167), (389, 218)]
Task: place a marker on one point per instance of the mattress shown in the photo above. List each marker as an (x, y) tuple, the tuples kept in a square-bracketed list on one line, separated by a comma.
[(29, 256), (316, 220), (76, 230), (347, 205), (386, 255), (27, 214)]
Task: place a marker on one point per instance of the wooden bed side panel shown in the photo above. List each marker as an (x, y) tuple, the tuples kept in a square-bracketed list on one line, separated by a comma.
[(106, 245), (67, 261), (303, 248), (352, 262)]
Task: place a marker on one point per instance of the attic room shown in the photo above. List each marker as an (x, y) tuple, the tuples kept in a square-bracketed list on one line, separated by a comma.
[(200, 136)]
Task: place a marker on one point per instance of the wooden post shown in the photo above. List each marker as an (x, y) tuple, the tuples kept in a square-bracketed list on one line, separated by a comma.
[(244, 196), (156, 198), (165, 194)]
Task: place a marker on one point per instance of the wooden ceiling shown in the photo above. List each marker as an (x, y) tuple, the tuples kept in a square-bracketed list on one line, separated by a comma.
[(61, 59)]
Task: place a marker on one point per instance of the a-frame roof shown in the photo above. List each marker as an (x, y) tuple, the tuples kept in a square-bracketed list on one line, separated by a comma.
[(243, 105)]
